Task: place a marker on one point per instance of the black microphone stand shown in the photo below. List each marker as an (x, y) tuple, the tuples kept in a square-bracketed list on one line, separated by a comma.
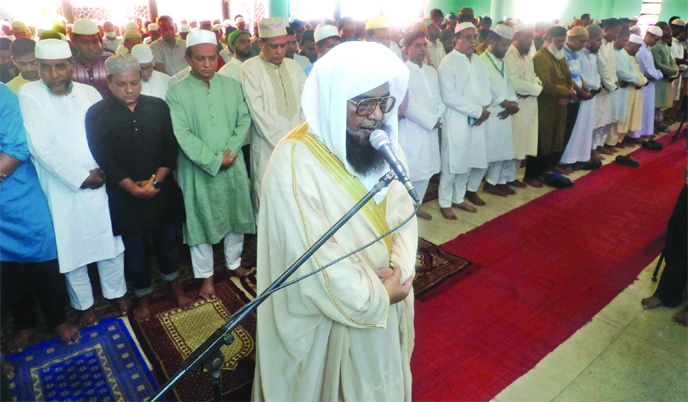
[(209, 355)]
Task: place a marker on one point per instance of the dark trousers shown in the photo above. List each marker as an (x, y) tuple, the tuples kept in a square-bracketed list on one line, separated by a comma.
[(536, 165), (571, 115), (675, 275), (136, 259), (19, 280)]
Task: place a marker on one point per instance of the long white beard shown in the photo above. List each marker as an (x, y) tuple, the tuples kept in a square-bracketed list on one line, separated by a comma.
[(557, 53)]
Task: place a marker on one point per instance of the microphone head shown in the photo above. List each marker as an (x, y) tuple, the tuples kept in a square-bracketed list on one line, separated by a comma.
[(378, 138)]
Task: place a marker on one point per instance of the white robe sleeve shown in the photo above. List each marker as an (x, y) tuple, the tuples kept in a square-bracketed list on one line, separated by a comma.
[(417, 110), (521, 86), (42, 144)]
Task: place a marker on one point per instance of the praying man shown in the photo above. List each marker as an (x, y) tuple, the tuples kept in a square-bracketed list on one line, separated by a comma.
[(653, 74), (632, 127), (153, 82), (89, 64)]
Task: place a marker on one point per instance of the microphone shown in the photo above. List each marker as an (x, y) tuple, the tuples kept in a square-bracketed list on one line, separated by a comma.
[(380, 141)]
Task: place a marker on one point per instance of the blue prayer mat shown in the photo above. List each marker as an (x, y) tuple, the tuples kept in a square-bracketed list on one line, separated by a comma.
[(104, 366)]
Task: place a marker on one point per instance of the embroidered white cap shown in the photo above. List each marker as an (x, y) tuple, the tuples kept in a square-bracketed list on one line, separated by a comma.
[(325, 31), (636, 39), (504, 31), (464, 25), (52, 49), (271, 28), (85, 27), (143, 53), (656, 31), (201, 36)]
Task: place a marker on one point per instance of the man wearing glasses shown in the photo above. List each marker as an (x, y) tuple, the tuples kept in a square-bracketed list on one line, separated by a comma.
[(346, 332), (153, 83)]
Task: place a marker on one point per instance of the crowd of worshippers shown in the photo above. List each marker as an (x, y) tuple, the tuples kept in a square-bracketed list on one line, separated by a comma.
[(114, 139)]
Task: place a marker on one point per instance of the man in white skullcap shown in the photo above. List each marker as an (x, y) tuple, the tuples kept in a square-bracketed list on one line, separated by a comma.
[(240, 23), (168, 51), (678, 40), (211, 122), (89, 64), (131, 138), (498, 136), (239, 43), (607, 66), (527, 85), (326, 38), (465, 88), (153, 32), (111, 41), (418, 129), (346, 333), (184, 30), (131, 38), (647, 67), (131, 25), (377, 30), (54, 109), (153, 83), (272, 86), (633, 125)]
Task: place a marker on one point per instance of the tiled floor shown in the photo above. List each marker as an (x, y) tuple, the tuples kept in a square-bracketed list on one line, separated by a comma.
[(624, 354)]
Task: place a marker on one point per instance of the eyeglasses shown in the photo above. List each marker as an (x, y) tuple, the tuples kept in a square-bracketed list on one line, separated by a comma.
[(366, 107)]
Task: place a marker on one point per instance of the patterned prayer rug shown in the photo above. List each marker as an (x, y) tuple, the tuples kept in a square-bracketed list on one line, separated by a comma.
[(105, 366), (171, 335), (436, 269)]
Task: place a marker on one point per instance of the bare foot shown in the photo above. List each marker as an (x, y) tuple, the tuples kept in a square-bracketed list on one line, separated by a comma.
[(604, 150), (474, 199), (207, 288), (68, 333), (594, 155), (20, 340), (506, 189), (180, 297), (532, 182), (124, 305), (517, 184), (424, 215), (88, 318), (466, 207), (565, 170), (491, 189), (142, 310), (651, 302), (447, 213), (681, 318), (242, 272)]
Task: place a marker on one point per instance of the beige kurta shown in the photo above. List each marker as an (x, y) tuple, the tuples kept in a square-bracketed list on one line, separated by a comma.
[(634, 115), (273, 95), (524, 124), (333, 336)]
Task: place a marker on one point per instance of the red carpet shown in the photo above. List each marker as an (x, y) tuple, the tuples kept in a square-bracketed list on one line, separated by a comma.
[(546, 269)]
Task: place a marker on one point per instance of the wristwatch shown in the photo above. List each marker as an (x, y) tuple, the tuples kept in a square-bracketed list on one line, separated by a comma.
[(2, 177), (157, 184)]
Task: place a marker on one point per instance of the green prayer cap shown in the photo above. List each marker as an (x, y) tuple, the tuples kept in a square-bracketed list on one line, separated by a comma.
[(235, 34)]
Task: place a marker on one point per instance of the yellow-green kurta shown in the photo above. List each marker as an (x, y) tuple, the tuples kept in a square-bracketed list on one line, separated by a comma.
[(664, 63), (556, 83), (207, 121)]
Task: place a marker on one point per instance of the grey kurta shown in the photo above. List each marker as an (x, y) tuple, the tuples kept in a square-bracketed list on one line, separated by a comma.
[(208, 121)]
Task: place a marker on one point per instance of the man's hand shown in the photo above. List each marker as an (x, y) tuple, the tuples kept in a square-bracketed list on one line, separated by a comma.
[(572, 93), (439, 123), (483, 116), (523, 96), (396, 291), (563, 102), (147, 191), (94, 179), (623, 84), (227, 161)]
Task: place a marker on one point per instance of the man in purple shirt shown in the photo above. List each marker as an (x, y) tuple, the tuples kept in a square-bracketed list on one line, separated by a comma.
[(89, 64)]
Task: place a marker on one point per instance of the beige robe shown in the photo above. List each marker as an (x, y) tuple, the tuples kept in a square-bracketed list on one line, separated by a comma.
[(524, 124), (332, 336), (634, 115), (273, 95)]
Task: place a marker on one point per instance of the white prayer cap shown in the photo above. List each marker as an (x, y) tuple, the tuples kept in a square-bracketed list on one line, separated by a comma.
[(678, 22), (349, 70), (240, 19), (185, 28), (217, 27), (271, 28), (464, 25), (131, 25), (597, 22), (485, 16), (325, 31), (636, 19), (524, 27), (504, 31), (377, 22), (121, 63), (122, 50), (153, 26), (656, 31), (636, 39), (201, 36), (577, 31), (143, 53), (635, 30), (52, 49), (18, 25), (131, 34), (85, 27), (226, 23)]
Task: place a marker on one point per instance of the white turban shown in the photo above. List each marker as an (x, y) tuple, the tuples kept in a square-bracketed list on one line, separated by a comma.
[(358, 67), (143, 53), (464, 25), (636, 39)]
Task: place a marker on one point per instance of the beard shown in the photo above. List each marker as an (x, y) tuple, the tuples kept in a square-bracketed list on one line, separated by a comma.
[(242, 54), (557, 53), (362, 157)]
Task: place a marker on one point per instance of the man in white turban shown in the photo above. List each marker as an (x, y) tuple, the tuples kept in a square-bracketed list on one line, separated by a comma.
[(346, 332), (153, 83), (54, 110)]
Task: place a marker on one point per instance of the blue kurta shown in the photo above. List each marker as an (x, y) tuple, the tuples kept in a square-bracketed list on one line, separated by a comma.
[(26, 228)]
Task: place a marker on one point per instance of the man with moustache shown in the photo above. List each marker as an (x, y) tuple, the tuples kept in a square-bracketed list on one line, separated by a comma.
[(557, 90), (211, 122), (89, 64), (661, 53), (607, 66), (239, 43), (153, 82), (653, 74), (346, 332), (24, 57), (465, 88), (633, 125)]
